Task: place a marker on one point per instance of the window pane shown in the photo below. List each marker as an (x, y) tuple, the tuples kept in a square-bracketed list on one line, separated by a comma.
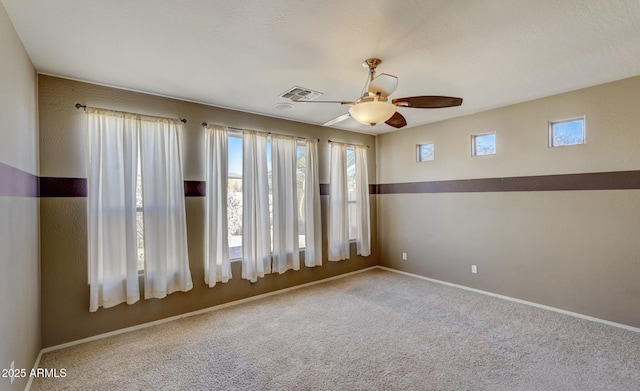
[(140, 239), (139, 187), (270, 185), (139, 219), (567, 133), (425, 152), (351, 174), (352, 221), (234, 197), (351, 188), (484, 144), (301, 153)]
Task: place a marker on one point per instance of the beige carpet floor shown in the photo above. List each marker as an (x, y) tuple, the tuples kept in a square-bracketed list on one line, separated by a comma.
[(376, 330)]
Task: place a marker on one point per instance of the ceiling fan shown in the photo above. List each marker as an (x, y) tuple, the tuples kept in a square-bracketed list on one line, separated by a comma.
[(374, 107)]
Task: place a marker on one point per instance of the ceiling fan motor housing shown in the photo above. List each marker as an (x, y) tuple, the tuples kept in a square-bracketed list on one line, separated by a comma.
[(371, 63)]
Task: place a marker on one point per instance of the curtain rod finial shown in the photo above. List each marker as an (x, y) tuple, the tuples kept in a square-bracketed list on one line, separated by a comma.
[(204, 124), (79, 106), (183, 120)]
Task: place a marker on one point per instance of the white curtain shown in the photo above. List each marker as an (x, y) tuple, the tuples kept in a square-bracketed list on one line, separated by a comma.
[(313, 219), (286, 251), (165, 226), (256, 243), (363, 226), (111, 208), (217, 267), (338, 230)]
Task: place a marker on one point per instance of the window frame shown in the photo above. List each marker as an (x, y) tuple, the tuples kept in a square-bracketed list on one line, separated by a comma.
[(140, 241), (419, 155), (301, 146), (238, 135), (349, 202), (474, 149), (139, 212), (551, 124)]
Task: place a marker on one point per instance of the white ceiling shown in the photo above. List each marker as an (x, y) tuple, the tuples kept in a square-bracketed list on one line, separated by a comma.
[(243, 54)]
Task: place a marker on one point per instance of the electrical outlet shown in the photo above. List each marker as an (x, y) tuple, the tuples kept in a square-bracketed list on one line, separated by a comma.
[(13, 372), (404, 256), (474, 269)]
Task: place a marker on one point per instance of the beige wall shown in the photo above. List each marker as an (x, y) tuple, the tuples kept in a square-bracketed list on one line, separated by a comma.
[(574, 250), (19, 278), (65, 296)]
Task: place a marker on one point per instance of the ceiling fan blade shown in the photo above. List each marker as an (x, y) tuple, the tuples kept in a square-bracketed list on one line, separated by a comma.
[(428, 102), (397, 121), (337, 119), (383, 84)]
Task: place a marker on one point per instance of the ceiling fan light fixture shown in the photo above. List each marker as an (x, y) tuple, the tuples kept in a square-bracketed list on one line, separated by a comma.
[(372, 113)]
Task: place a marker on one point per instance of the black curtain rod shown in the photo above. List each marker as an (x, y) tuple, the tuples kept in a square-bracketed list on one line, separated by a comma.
[(204, 125), (347, 143), (84, 107)]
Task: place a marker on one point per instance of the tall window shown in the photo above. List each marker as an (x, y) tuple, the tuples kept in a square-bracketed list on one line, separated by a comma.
[(270, 182), (234, 197), (234, 194), (348, 216), (263, 203), (139, 220), (351, 192), (131, 182), (301, 165)]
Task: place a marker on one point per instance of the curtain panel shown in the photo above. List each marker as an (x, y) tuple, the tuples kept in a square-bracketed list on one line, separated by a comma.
[(286, 250), (111, 208), (338, 229), (256, 227), (363, 224), (311, 205), (217, 267), (114, 141), (165, 225)]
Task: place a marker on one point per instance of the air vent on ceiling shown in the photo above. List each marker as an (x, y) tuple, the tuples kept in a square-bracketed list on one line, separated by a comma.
[(300, 93)]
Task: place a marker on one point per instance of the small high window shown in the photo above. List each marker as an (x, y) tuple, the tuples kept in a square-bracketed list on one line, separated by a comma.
[(566, 132), (483, 144), (424, 152)]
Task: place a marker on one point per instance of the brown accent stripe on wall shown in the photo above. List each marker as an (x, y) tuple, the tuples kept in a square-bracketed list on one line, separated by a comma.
[(17, 183), (63, 187), (77, 187), (616, 180), (195, 188)]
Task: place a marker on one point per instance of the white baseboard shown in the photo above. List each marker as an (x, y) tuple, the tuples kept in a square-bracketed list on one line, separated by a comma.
[(193, 313), (546, 307), (35, 366)]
